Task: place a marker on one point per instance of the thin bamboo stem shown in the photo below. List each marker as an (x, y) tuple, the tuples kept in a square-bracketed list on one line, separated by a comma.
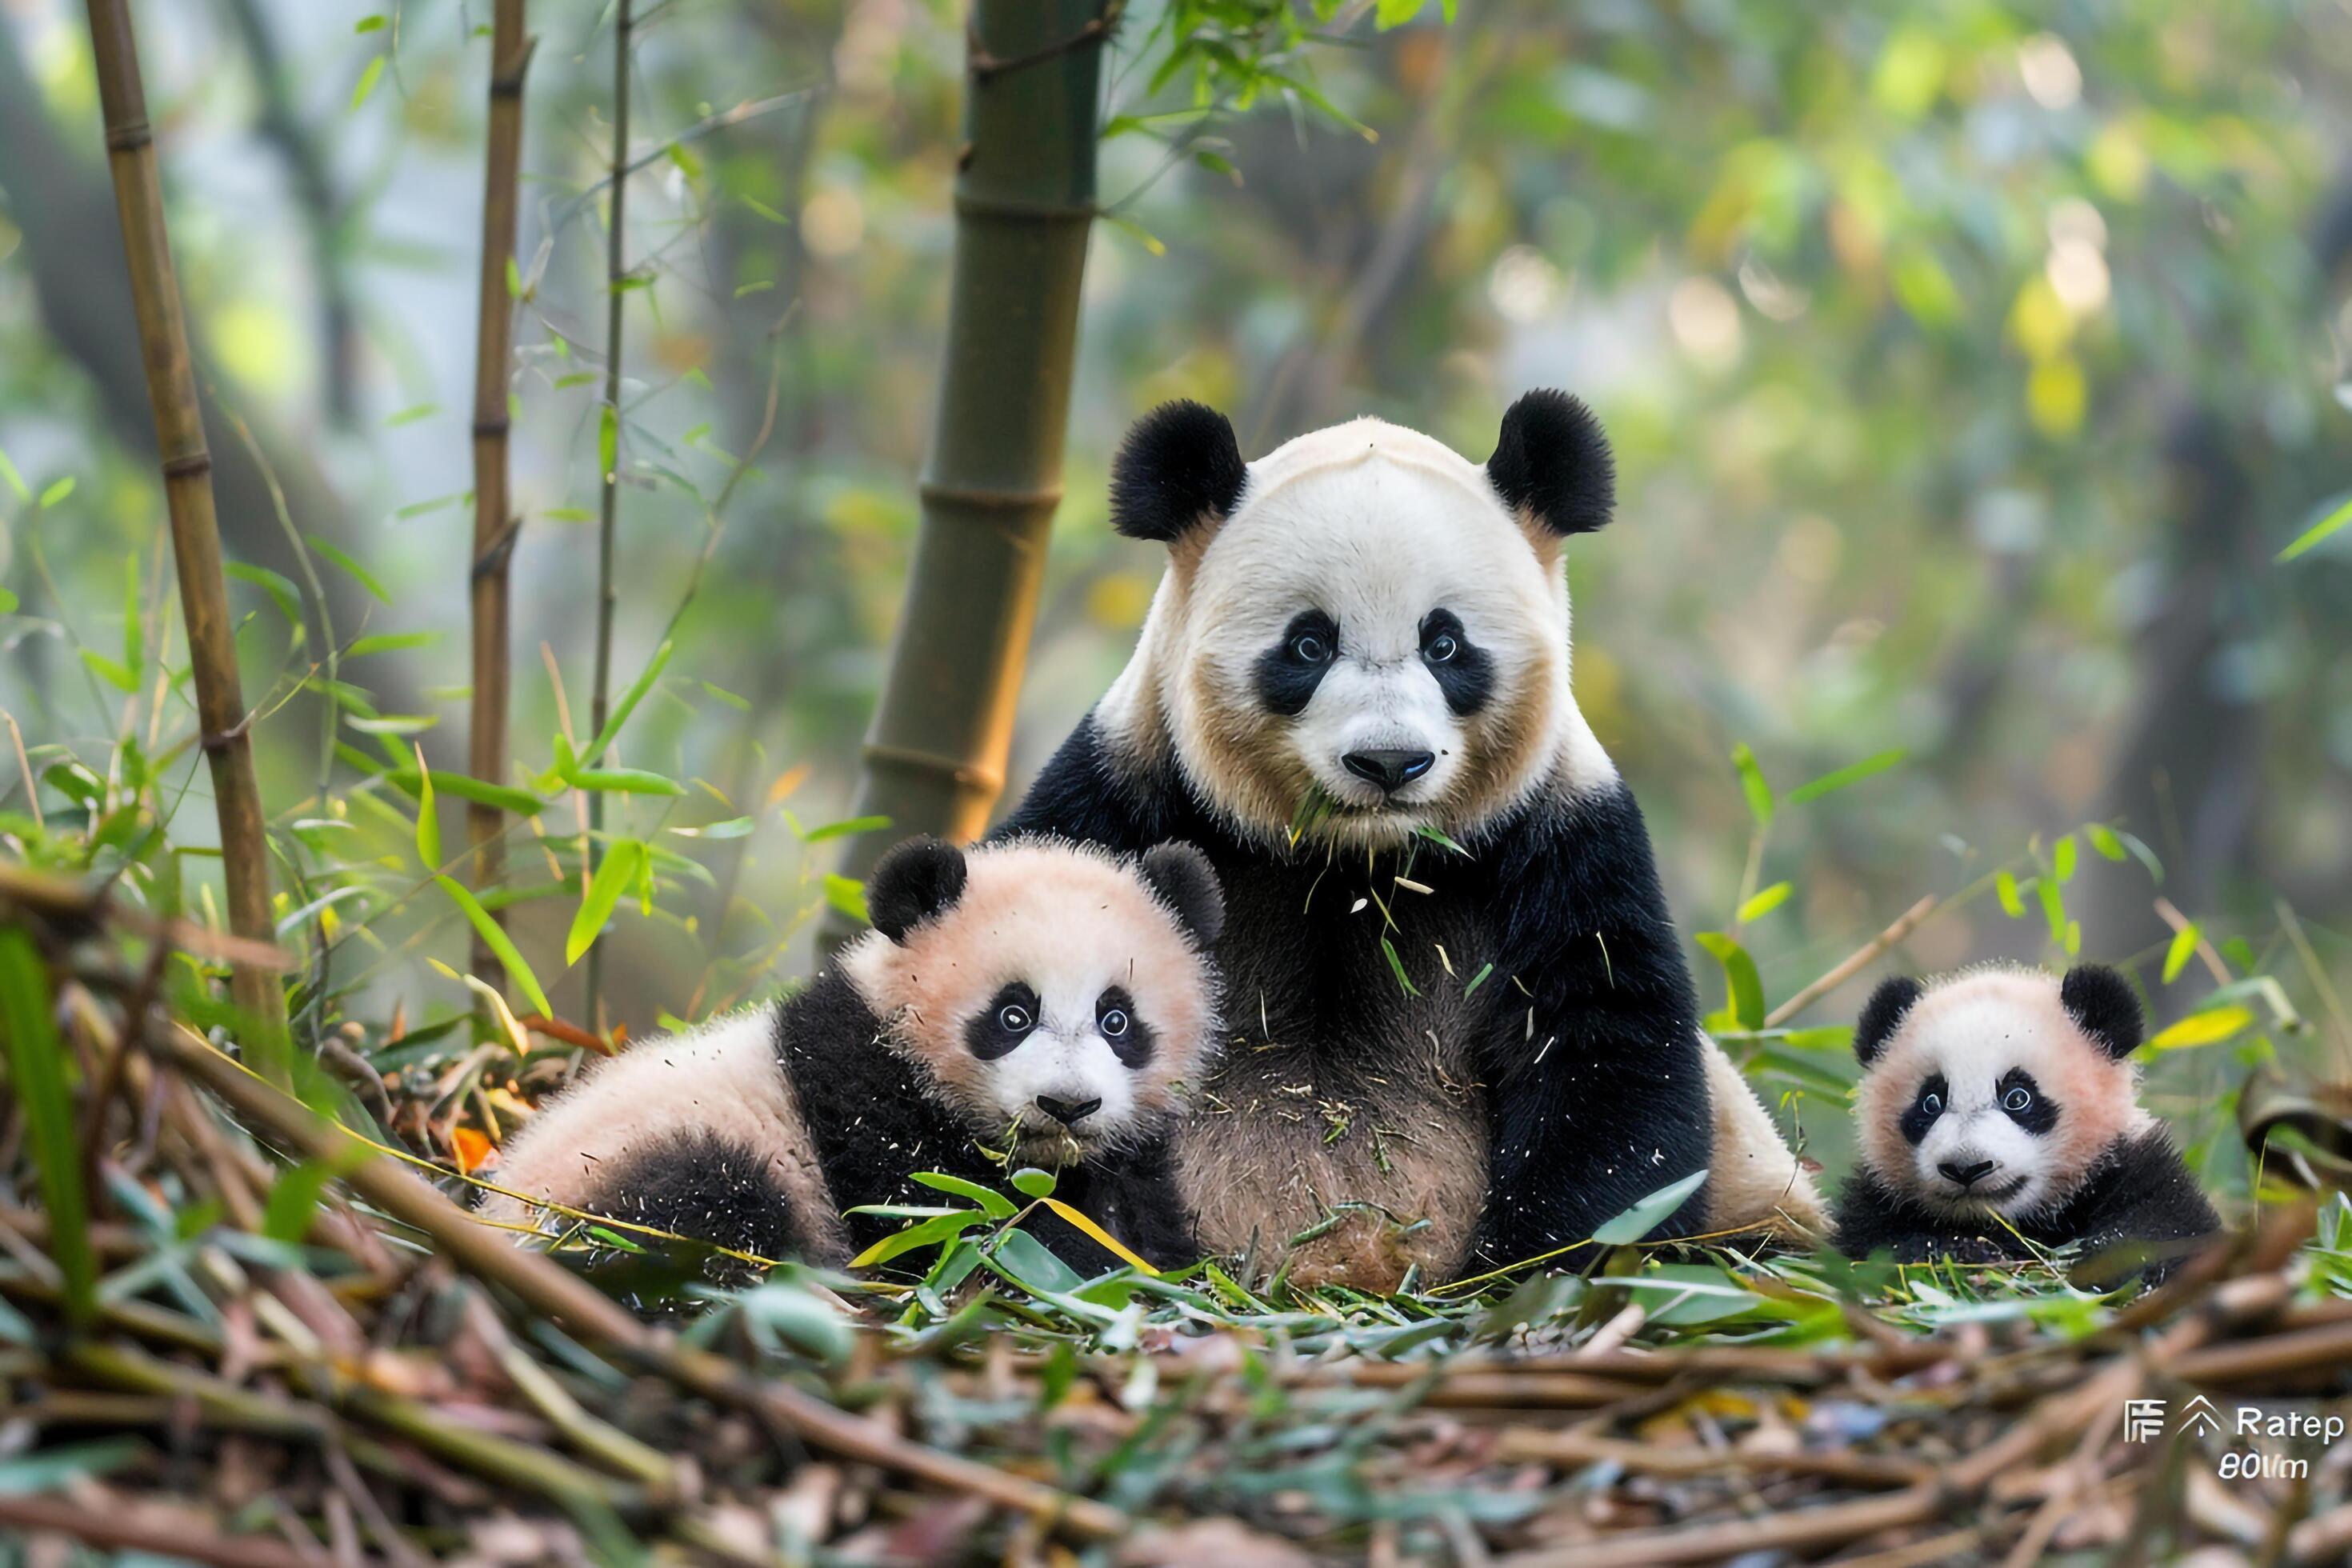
[(187, 465), (489, 582), (609, 512)]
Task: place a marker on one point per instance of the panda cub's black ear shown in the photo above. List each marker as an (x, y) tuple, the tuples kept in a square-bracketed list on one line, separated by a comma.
[(913, 883), (2104, 1006), (1179, 467), (1182, 878), (1552, 463), (1883, 1015)]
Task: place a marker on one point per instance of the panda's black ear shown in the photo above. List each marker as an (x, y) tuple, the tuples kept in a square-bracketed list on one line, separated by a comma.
[(1179, 467), (913, 883), (2103, 1005), (1182, 878), (1883, 1015), (1551, 463)]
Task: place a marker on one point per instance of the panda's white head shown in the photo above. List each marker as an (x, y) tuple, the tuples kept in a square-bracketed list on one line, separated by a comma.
[(1996, 1090), (1057, 998), (1363, 632)]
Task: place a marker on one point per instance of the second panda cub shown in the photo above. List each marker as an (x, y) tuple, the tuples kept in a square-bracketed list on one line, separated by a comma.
[(2002, 1103), (1039, 1000)]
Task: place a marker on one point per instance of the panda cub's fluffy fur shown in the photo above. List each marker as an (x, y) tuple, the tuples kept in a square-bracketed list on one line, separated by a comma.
[(2007, 1095), (1463, 1020), (1044, 1000)]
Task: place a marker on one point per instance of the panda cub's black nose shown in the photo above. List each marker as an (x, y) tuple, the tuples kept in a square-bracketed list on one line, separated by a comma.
[(1390, 770), (1967, 1175), (1068, 1112)]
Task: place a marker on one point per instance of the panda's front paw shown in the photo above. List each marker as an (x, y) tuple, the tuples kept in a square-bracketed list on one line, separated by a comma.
[(1937, 1247)]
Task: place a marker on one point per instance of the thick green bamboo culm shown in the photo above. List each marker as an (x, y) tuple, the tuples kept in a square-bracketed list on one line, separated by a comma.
[(195, 530), (1024, 201), (489, 585)]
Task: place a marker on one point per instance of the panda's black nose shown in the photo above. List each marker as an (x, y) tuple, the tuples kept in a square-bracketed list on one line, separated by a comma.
[(1068, 1112), (1388, 769), (1967, 1175)]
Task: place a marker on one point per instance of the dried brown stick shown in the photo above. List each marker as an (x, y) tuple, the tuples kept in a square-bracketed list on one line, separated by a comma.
[(126, 1531), (195, 530), (1663, 1460), (1860, 959)]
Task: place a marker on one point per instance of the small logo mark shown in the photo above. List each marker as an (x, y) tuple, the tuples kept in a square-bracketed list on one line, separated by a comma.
[(2199, 1416), (2143, 1420)]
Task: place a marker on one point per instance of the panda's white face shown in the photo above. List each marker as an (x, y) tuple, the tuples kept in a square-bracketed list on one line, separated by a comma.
[(1369, 645), (1989, 1099), (1055, 1006)]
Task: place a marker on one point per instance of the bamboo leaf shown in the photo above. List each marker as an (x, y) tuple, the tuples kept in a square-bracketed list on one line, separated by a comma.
[(2208, 1027), (624, 780), (994, 1204), (1747, 1003), (428, 821), (2311, 538), (2102, 840), (843, 829), (1752, 785), (626, 706), (846, 894), (499, 943), (622, 863), (359, 573), (523, 802), (1854, 774), (1031, 1181), (2183, 948), (2004, 886), (608, 441), (2054, 907), (36, 1069), (1647, 1215), (1765, 902), (2062, 857), (927, 1233), (1101, 1237), (57, 492), (368, 79)]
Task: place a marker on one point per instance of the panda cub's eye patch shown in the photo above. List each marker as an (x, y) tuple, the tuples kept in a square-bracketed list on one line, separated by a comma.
[(2025, 1103), (1464, 671), (1128, 1037), (1288, 672), (1933, 1096), (1007, 1020)]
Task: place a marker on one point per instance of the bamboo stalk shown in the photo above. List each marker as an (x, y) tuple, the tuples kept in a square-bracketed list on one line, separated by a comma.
[(196, 531), (609, 508), (934, 761), (495, 524)]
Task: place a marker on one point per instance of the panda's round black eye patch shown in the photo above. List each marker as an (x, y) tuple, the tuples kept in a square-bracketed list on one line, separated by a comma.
[(2025, 1103), (998, 1028), (1464, 671), (1926, 1107), (1289, 671), (1128, 1037)]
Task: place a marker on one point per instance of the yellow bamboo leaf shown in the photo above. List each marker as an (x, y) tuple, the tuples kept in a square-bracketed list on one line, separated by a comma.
[(1102, 1237), (2215, 1023)]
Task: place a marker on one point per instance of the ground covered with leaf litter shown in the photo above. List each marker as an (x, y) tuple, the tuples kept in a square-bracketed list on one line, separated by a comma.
[(234, 1332)]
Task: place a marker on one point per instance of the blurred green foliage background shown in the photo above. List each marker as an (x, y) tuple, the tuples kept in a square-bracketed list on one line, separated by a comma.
[(1969, 365)]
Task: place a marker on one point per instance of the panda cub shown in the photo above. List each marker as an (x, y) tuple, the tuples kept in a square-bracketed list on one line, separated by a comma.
[(2003, 1098), (1043, 1001)]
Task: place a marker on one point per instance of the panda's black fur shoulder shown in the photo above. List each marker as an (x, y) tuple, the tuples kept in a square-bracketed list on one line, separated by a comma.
[(2138, 1213), (1562, 896), (873, 1120)]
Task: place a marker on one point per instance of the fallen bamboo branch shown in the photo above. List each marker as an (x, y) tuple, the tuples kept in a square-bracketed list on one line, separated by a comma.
[(1860, 959), (179, 1539), (488, 580), (548, 1289), (195, 530)]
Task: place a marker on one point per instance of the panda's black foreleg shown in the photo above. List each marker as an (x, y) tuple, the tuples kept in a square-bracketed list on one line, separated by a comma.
[(707, 1189), (1596, 1087)]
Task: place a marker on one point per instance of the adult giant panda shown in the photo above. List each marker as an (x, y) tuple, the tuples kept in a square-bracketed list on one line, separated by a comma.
[(1463, 1028), (1047, 1001)]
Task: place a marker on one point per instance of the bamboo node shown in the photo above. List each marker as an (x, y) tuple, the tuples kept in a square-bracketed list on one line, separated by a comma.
[(910, 759), (1002, 209), (498, 425), (985, 67), (1044, 498), (493, 559), (130, 137), (188, 464)]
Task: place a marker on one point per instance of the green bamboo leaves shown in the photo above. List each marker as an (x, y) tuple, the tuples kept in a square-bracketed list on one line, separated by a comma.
[(37, 1067), (627, 863)]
